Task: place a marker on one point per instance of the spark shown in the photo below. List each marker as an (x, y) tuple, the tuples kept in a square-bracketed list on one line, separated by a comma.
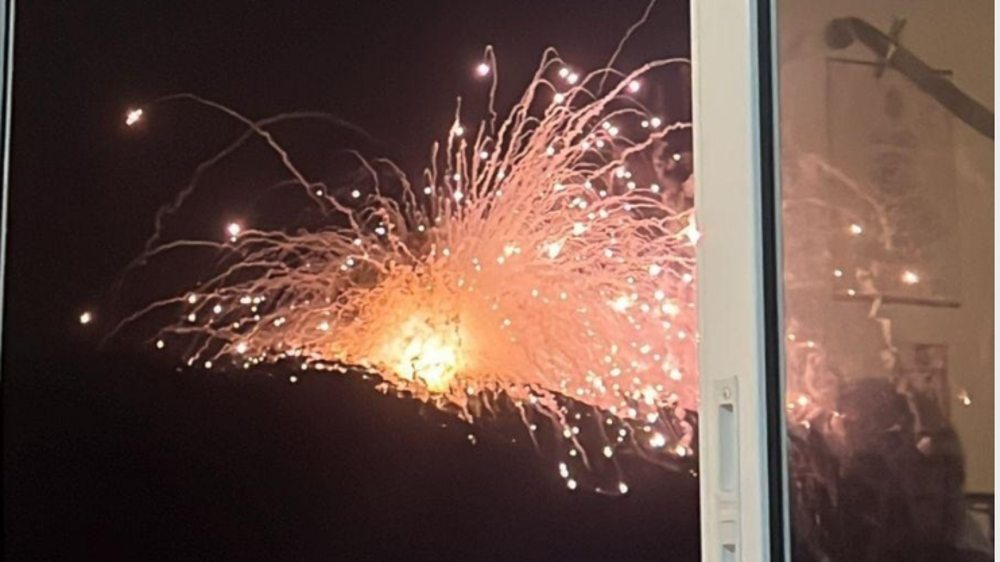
[(133, 117), (856, 229), (86, 318), (910, 277), (483, 69), (234, 229)]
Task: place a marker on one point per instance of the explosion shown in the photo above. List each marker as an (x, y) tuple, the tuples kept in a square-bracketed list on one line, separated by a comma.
[(533, 265)]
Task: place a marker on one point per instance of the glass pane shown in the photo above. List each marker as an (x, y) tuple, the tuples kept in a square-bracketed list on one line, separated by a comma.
[(282, 340), (887, 217)]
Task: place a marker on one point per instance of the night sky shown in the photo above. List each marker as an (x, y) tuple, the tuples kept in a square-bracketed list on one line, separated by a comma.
[(109, 452)]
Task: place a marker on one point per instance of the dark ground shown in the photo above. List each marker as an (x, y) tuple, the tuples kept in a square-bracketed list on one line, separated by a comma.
[(113, 455)]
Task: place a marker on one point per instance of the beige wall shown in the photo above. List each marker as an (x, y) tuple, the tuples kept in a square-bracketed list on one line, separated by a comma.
[(955, 36)]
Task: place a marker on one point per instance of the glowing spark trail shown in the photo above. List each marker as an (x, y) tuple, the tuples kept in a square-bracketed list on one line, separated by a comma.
[(534, 266)]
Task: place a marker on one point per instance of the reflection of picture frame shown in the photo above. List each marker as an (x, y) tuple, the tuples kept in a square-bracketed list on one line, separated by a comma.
[(923, 375), (981, 508), (900, 221)]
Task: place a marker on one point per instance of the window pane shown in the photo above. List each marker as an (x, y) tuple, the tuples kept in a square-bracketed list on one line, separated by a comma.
[(216, 348), (887, 219)]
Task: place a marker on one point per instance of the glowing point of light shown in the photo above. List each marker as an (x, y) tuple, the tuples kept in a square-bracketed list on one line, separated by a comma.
[(622, 303), (553, 249), (234, 229), (420, 351), (192, 298), (483, 69), (838, 273), (634, 86), (558, 97), (655, 122), (160, 344), (658, 441), (910, 277), (622, 488), (856, 229), (670, 309), (573, 78), (293, 379), (355, 194), (571, 484), (133, 116), (563, 72), (458, 130), (86, 318), (692, 233), (241, 347), (655, 270)]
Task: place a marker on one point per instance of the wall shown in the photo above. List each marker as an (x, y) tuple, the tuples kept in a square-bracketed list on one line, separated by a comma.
[(955, 36)]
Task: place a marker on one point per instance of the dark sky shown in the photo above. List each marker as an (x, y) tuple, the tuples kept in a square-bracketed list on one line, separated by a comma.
[(111, 454)]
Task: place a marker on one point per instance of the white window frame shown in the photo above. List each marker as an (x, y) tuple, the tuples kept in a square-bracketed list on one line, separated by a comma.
[(743, 488)]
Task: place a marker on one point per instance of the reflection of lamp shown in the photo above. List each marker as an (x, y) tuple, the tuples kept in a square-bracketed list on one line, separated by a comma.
[(841, 33)]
